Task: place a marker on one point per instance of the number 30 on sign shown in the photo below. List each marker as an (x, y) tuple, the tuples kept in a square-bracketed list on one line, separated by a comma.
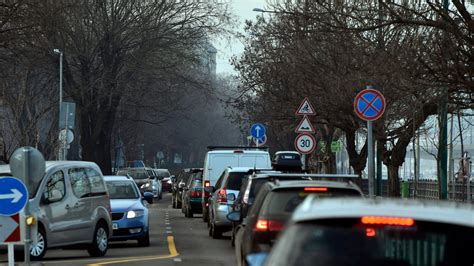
[(305, 143)]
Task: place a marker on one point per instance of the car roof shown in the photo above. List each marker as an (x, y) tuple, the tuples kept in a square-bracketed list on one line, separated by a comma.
[(116, 178), (287, 152), (238, 153), (430, 211), (240, 169), (5, 168), (318, 183)]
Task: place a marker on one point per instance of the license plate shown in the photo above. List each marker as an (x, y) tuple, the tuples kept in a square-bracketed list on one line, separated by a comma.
[(114, 226)]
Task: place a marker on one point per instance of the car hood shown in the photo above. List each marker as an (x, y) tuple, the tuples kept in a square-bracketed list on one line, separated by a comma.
[(123, 205), (140, 182)]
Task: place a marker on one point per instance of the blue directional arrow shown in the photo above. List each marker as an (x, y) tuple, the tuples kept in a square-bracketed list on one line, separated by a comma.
[(257, 130), (13, 195)]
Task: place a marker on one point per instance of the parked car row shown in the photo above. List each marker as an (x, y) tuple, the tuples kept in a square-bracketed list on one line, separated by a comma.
[(284, 216)]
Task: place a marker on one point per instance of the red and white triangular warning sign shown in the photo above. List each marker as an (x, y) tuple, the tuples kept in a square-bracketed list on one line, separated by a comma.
[(305, 108), (10, 229), (305, 126)]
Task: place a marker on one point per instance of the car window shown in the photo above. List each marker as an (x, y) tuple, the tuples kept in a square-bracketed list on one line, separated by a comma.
[(162, 173), (349, 242), (96, 181), (197, 182), (284, 201), (55, 182), (122, 190), (138, 174), (234, 181), (219, 181), (81, 186)]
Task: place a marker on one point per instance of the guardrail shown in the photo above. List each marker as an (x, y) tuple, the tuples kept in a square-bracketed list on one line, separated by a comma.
[(428, 189)]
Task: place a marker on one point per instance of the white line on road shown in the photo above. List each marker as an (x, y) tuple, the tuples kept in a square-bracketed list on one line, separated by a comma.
[(169, 232), (178, 260), (168, 228)]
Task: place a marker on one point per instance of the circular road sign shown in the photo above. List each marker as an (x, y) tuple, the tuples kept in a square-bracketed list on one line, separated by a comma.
[(305, 143), (66, 135), (369, 104), (257, 130), (13, 195)]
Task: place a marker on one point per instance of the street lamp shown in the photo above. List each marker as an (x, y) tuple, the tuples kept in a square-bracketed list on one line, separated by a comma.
[(62, 149)]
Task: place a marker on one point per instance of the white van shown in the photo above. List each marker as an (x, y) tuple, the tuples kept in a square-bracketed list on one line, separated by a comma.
[(219, 158)]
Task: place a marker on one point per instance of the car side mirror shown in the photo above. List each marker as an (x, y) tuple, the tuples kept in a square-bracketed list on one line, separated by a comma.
[(230, 197), (209, 189), (234, 216), (55, 196), (148, 196), (257, 259)]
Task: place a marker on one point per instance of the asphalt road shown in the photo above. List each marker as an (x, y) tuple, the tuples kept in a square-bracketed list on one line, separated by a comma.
[(175, 240)]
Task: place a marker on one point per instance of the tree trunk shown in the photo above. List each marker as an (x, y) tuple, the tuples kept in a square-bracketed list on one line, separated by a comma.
[(393, 181)]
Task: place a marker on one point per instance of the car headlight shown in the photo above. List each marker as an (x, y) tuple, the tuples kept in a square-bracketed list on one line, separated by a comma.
[(135, 214), (145, 185), (154, 187), (169, 182)]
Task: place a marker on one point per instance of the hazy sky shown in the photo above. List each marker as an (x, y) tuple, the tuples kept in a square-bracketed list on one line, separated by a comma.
[(243, 10)]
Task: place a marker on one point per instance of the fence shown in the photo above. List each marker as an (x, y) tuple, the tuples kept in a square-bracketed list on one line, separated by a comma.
[(428, 189)]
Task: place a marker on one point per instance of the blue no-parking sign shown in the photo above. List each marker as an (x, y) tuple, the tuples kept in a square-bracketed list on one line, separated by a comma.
[(369, 104), (13, 195)]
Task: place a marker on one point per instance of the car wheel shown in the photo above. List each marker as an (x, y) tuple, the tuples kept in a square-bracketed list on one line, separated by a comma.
[(178, 204), (100, 241), (232, 238), (38, 250), (189, 213), (205, 217), (215, 232), (173, 202), (144, 241), (160, 196)]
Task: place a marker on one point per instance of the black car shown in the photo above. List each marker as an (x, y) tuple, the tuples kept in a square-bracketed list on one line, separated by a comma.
[(192, 194), (274, 205), (248, 190), (177, 186)]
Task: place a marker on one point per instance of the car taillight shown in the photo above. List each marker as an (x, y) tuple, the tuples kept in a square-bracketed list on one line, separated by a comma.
[(384, 220), (222, 196), (207, 183), (195, 193), (319, 189), (268, 225)]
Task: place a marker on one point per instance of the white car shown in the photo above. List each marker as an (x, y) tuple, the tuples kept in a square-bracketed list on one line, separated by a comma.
[(375, 232)]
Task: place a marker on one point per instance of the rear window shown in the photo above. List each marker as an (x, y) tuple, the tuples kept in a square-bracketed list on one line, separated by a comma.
[(234, 182), (349, 242), (284, 201), (162, 173)]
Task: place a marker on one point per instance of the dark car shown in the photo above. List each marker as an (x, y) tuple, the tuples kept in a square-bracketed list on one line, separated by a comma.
[(251, 184), (165, 176), (177, 186), (273, 206), (143, 178), (192, 194)]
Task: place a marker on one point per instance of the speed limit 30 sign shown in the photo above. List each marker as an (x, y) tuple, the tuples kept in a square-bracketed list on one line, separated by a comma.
[(305, 143)]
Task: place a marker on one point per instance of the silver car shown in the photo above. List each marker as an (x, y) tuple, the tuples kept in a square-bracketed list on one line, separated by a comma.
[(223, 195), (72, 208)]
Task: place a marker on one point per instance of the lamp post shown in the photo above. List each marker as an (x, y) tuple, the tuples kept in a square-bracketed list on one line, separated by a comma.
[(62, 149)]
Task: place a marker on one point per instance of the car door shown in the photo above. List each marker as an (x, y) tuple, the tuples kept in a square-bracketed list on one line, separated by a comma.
[(82, 201), (56, 216)]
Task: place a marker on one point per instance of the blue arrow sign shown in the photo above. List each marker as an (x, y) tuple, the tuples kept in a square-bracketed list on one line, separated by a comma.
[(13, 195), (257, 130)]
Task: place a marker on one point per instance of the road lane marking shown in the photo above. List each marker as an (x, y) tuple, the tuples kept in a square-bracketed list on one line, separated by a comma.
[(171, 247), (168, 228), (178, 260), (169, 232)]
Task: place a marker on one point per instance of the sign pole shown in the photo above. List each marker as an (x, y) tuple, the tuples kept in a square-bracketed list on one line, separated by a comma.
[(370, 156), (11, 255), (26, 210)]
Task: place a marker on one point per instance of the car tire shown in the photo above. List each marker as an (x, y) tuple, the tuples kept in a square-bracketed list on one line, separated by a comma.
[(232, 239), (189, 213), (173, 203), (215, 232), (100, 241), (38, 250), (144, 241), (178, 204), (160, 196)]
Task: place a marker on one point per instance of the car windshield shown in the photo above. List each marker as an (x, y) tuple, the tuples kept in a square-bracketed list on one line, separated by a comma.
[(284, 201), (138, 175), (349, 242), (162, 173), (122, 190)]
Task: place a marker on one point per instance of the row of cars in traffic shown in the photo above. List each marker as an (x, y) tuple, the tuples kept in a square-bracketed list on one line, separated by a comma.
[(75, 206), (280, 215)]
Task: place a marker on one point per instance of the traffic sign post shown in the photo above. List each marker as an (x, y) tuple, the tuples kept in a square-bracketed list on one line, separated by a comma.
[(13, 195), (369, 105), (305, 126), (257, 131)]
